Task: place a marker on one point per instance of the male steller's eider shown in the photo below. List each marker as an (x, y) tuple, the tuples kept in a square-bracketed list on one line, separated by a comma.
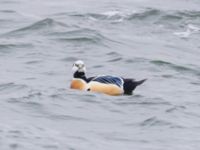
[(106, 84)]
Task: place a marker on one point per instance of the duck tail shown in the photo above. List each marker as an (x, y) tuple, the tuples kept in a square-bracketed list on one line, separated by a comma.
[(130, 85), (140, 82)]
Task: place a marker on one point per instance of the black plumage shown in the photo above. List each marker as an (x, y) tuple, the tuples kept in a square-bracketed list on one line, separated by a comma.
[(130, 85)]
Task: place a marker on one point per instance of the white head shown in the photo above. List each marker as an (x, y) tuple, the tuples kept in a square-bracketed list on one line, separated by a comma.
[(79, 66)]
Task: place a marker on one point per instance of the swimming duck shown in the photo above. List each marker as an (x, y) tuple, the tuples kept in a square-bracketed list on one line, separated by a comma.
[(106, 84)]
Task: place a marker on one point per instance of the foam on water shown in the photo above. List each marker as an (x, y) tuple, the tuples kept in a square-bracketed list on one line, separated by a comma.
[(190, 29)]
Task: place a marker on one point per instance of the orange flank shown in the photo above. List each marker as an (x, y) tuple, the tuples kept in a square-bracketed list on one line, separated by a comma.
[(109, 89), (78, 84)]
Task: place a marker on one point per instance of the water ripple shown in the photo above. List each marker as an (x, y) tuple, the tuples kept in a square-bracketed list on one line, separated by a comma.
[(179, 68), (141, 100), (154, 121), (7, 87)]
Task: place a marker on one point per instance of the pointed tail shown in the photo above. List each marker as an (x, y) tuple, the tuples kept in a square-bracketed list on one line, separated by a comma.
[(130, 85), (140, 82)]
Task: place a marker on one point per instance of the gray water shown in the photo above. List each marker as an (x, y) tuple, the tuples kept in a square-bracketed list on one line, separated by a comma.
[(154, 39)]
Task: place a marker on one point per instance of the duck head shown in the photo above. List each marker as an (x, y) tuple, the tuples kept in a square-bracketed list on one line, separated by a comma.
[(79, 66)]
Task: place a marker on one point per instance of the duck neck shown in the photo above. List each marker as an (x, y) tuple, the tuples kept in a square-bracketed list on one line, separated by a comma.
[(80, 75)]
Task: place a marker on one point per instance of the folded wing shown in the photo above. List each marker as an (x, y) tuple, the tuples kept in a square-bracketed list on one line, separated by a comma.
[(109, 80)]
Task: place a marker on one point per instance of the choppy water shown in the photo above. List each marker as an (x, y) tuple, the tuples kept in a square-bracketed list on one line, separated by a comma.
[(158, 40)]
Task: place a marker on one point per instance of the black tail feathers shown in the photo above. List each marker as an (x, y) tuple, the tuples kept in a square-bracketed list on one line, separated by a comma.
[(130, 85), (140, 82)]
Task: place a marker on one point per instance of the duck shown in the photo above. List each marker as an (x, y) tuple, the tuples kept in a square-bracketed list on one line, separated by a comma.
[(106, 84)]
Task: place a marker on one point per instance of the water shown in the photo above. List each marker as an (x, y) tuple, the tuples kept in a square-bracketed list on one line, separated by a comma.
[(158, 40)]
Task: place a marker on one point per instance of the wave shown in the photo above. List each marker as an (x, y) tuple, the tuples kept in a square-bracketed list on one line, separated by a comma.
[(66, 117), (114, 56), (8, 87), (11, 47), (148, 13), (142, 101), (14, 45), (155, 16), (30, 95), (178, 68), (189, 29), (7, 11), (80, 35), (175, 108), (42, 26), (69, 59), (115, 59), (6, 46), (154, 121), (151, 14)]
